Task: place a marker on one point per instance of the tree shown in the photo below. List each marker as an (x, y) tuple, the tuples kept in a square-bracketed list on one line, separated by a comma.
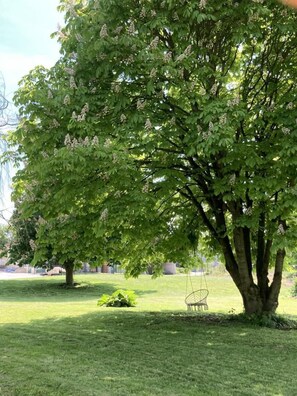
[(168, 121)]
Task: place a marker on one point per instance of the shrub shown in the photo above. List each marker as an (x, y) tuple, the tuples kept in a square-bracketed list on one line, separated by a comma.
[(120, 298)]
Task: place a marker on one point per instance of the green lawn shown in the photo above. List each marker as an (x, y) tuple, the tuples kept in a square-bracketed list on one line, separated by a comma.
[(56, 341)]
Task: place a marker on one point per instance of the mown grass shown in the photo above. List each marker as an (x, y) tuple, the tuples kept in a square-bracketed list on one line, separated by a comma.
[(58, 342)]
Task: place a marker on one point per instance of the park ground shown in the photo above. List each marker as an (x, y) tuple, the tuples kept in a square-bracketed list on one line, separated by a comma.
[(56, 341)]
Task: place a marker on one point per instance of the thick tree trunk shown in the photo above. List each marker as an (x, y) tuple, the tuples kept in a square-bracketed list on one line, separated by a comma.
[(69, 267), (259, 299)]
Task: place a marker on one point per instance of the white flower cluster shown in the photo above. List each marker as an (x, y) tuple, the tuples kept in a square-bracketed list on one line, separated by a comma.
[(232, 179), (41, 220), (50, 94), (115, 87), (104, 215), (55, 123), (175, 17), (223, 119), (281, 230), (167, 56), (148, 125), (286, 131), (66, 100), (32, 244), (233, 102), (123, 118), (86, 142), (82, 116), (131, 28), (146, 188), (213, 89), (70, 71), (202, 4), (172, 121), (103, 31), (142, 13), (185, 54), (153, 13), (107, 143), (118, 194), (72, 83), (154, 43), (249, 211), (118, 29), (140, 105), (290, 106), (153, 73)]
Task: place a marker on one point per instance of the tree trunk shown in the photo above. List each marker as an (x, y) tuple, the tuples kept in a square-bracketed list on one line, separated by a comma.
[(69, 267)]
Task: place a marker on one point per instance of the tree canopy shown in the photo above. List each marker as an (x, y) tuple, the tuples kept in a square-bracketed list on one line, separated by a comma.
[(165, 123)]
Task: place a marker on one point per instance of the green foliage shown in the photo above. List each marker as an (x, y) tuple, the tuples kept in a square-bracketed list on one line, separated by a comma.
[(119, 298), (163, 128), (20, 249), (4, 239)]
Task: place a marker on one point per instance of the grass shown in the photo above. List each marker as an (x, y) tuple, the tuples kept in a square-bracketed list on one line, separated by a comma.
[(58, 342)]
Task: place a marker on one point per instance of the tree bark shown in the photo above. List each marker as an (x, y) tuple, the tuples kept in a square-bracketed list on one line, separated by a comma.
[(69, 267)]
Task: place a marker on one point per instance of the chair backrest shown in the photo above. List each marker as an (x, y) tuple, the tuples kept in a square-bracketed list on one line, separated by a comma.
[(197, 296)]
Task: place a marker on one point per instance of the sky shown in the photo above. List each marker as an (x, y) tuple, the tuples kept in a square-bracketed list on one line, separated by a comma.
[(25, 29)]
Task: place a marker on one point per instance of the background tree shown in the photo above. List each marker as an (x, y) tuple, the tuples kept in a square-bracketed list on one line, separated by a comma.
[(169, 121)]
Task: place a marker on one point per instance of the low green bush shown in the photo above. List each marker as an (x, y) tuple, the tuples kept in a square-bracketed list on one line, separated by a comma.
[(120, 298)]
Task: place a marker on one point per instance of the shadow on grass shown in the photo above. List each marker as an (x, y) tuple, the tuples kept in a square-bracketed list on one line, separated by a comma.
[(121, 352), (48, 289)]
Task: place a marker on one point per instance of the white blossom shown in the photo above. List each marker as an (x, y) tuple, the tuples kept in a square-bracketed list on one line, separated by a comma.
[(153, 73), (70, 71), (153, 13), (175, 17), (223, 119), (140, 105), (167, 56), (232, 179), (281, 230), (123, 118), (50, 94), (286, 131), (148, 124), (85, 109), (72, 83), (202, 4), (249, 211), (146, 188), (103, 31), (66, 100), (142, 13), (74, 116), (95, 141), (154, 43), (290, 106), (67, 140), (104, 215), (56, 124), (131, 28), (118, 29), (32, 244), (213, 89)]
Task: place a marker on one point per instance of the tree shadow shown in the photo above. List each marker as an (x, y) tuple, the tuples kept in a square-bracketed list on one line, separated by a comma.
[(121, 351), (54, 290)]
